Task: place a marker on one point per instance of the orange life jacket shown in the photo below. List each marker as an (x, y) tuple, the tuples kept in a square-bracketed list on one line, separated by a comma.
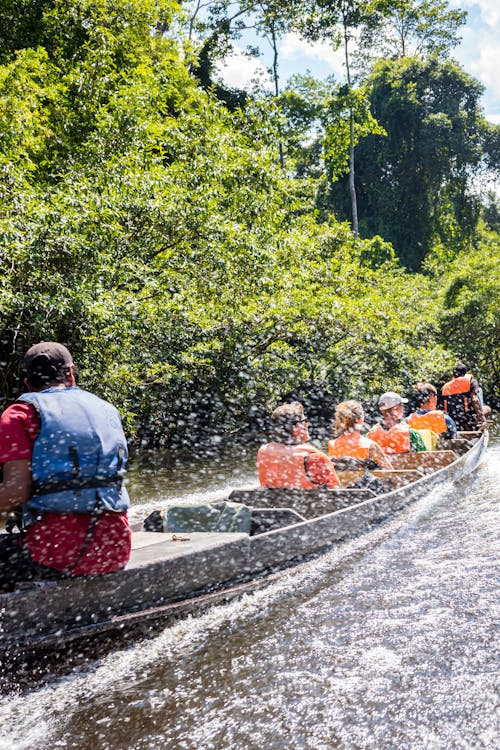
[(350, 444), (432, 420), (457, 385), (395, 440), (457, 402), (280, 465)]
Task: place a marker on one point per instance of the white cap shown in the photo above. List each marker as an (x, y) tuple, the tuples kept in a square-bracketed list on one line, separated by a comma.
[(389, 400)]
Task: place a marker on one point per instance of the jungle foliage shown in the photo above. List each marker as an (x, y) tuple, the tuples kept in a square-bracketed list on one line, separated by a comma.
[(152, 228)]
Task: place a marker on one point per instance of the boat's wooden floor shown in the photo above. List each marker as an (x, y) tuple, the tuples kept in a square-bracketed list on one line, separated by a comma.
[(151, 546)]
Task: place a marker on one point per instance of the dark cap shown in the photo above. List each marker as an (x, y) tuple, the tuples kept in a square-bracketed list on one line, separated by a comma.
[(47, 362), (459, 370)]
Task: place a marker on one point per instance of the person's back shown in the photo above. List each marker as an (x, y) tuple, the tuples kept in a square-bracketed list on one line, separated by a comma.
[(393, 439), (427, 416), (461, 400), (71, 450), (349, 418), (291, 466), (350, 444), (393, 434), (288, 461)]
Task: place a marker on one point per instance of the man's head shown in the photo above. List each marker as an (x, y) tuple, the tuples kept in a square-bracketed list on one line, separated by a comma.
[(391, 405), (459, 370), (289, 424), (425, 395), (48, 363)]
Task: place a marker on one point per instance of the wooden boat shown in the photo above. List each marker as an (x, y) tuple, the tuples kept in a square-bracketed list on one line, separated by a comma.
[(171, 575)]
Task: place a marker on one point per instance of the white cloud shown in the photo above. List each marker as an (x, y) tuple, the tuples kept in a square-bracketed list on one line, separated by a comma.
[(486, 66), (238, 70), (295, 46), (489, 10), (479, 52)]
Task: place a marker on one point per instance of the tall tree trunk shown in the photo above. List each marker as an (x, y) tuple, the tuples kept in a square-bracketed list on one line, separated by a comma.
[(352, 187), (274, 44)]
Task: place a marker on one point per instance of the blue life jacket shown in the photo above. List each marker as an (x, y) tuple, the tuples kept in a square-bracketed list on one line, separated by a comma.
[(79, 456)]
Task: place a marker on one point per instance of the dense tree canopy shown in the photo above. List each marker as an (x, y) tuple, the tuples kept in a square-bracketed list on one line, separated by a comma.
[(414, 184), (409, 28), (152, 229)]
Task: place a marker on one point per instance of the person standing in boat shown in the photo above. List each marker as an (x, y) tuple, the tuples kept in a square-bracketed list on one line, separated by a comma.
[(349, 418), (63, 453), (393, 434), (427, 416), (461, 400), (288, 461)]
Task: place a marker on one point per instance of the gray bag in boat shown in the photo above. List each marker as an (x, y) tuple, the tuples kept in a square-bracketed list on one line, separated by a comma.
[(220, 517), (215, 517)]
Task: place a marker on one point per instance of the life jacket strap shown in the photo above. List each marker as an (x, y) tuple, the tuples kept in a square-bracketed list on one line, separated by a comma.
[(73, 454), (119, 467), (75, 484), (313, 481), (86, 543)]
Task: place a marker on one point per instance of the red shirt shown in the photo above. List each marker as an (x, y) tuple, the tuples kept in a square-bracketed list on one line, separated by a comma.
[(57, 540)]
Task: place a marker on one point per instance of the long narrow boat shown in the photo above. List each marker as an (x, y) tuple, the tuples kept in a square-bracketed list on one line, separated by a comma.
[(172, 575)]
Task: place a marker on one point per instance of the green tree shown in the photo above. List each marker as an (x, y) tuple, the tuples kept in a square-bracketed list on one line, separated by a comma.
[(491, 211), (414, 185), (152, 230), (470, 316), (409, 28), (338, 23)]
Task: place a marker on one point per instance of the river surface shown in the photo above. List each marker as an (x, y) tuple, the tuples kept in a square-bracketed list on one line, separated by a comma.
[(389, 642)]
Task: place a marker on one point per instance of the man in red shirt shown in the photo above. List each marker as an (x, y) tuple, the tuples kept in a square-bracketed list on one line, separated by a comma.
[(63, 454)]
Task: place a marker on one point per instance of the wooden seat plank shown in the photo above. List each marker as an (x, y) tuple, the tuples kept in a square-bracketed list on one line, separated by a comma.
[(426, 463), (457, 445), (348, 477), (309, 503), (391, 479), (148, 546)]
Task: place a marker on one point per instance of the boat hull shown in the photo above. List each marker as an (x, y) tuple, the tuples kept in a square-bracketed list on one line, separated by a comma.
[(176, 578)]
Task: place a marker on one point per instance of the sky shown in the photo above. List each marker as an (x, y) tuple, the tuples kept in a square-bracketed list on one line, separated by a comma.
[(478, 54)]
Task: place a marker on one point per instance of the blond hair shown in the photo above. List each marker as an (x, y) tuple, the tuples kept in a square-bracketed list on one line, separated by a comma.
[(347, 416)]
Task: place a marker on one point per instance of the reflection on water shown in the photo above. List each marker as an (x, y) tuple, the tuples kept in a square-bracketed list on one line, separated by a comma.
[(386, 642)]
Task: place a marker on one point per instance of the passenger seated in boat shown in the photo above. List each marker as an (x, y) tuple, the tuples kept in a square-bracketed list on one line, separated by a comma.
[(288, 461), (427, 416), (462, 400), (393, 434), (63, 453), (349, 418)]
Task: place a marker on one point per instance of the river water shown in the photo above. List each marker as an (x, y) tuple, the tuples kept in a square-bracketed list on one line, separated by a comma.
[(389, 642)]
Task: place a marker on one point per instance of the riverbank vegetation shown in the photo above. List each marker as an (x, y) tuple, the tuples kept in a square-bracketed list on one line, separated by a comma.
[(206, 252)]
